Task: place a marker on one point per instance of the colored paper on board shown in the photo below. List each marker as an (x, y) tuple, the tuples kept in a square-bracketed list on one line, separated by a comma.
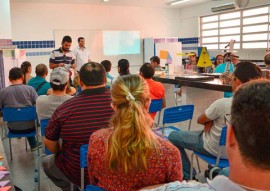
[(4, 183), (4, 172), (7, 188), (2, 176), (204, 59), (1, 163), (169, 61), (169, 56), (163, 54), (2, 168)]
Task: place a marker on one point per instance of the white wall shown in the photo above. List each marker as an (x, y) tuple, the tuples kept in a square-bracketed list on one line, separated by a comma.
[(5, 22), (37, 21)]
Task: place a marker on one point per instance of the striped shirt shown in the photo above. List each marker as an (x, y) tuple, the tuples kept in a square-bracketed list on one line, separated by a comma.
[(74, 122), (57, 56)]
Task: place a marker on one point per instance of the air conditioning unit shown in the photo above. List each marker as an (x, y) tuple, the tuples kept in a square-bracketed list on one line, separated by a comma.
[(223, 7)]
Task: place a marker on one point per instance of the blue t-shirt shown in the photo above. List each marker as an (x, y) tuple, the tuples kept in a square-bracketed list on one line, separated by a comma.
[(109, 80), (36, 81), (220, 69)]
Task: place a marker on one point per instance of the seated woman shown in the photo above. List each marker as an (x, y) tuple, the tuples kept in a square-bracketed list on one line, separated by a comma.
[(123, 67), (26, 69), (128, 155)]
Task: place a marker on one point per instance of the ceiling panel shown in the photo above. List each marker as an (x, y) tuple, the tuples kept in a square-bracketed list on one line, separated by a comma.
[(140, 3)]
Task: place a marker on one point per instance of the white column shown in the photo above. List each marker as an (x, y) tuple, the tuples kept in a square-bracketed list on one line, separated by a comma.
[(5, 20)]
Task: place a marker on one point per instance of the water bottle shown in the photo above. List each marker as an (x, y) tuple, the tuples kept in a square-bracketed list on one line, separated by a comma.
[(36, 180), (166, 68)]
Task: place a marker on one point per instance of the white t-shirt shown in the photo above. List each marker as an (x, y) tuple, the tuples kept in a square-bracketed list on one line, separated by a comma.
[(46, 105), (220, 183), (82, 56), (216, 112)]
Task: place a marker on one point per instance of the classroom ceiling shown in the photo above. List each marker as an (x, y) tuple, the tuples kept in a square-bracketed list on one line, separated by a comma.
[(139, 3)]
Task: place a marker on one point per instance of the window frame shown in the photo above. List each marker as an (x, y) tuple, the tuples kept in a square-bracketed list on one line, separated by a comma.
[(242, 25)]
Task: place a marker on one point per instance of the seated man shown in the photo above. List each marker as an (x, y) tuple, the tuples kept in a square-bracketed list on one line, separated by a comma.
[(156, 89), (74, 122), (39, 82), (267, 61), (247, 136), (108, 65), (207, 141), (19, 95), (155, 61), (46, 105)]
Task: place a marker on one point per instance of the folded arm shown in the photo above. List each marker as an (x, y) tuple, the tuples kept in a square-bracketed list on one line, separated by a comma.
[(204, 120)]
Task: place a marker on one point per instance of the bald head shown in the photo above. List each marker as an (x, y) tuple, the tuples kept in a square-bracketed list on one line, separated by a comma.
[(41, 70), (267, 59), (93, 74)]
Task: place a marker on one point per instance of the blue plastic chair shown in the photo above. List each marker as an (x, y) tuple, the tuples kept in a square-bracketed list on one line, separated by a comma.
[(177, 114), (83, 165), (156, 106), (20, 115), (43, 124), (216, 162), (83, 162), (93, 188)]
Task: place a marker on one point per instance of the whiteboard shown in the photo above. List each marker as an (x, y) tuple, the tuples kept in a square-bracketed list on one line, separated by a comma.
[(171, 49), (94, 43)]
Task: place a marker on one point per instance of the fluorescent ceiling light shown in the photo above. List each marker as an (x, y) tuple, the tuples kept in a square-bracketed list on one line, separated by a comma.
[(178, 2)]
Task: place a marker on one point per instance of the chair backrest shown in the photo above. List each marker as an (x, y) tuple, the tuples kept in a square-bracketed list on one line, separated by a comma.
[(83, 155), (222, 141), (178, 114), (43, 125), (19, 114), (155, 106)]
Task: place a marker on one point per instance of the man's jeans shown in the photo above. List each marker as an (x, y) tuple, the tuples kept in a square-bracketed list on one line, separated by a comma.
[(191, 140)]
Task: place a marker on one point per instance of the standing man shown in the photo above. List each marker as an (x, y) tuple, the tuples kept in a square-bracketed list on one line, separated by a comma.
[(81, 54), (206, 141), (73, 122), (63, 57)]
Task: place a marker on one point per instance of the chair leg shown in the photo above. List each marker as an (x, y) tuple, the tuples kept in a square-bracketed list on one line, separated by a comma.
[(199, 168), (158, 118), (163, 128), (71, 186), (38, 145), (175, 98), (25, 143), (191, 166), (10, 149), (82, 179), (39, 169)]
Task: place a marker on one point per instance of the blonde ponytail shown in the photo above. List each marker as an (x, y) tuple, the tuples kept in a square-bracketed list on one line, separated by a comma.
[(131, 140)]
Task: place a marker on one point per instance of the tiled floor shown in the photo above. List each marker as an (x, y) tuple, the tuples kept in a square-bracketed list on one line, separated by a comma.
[(22, 167)]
